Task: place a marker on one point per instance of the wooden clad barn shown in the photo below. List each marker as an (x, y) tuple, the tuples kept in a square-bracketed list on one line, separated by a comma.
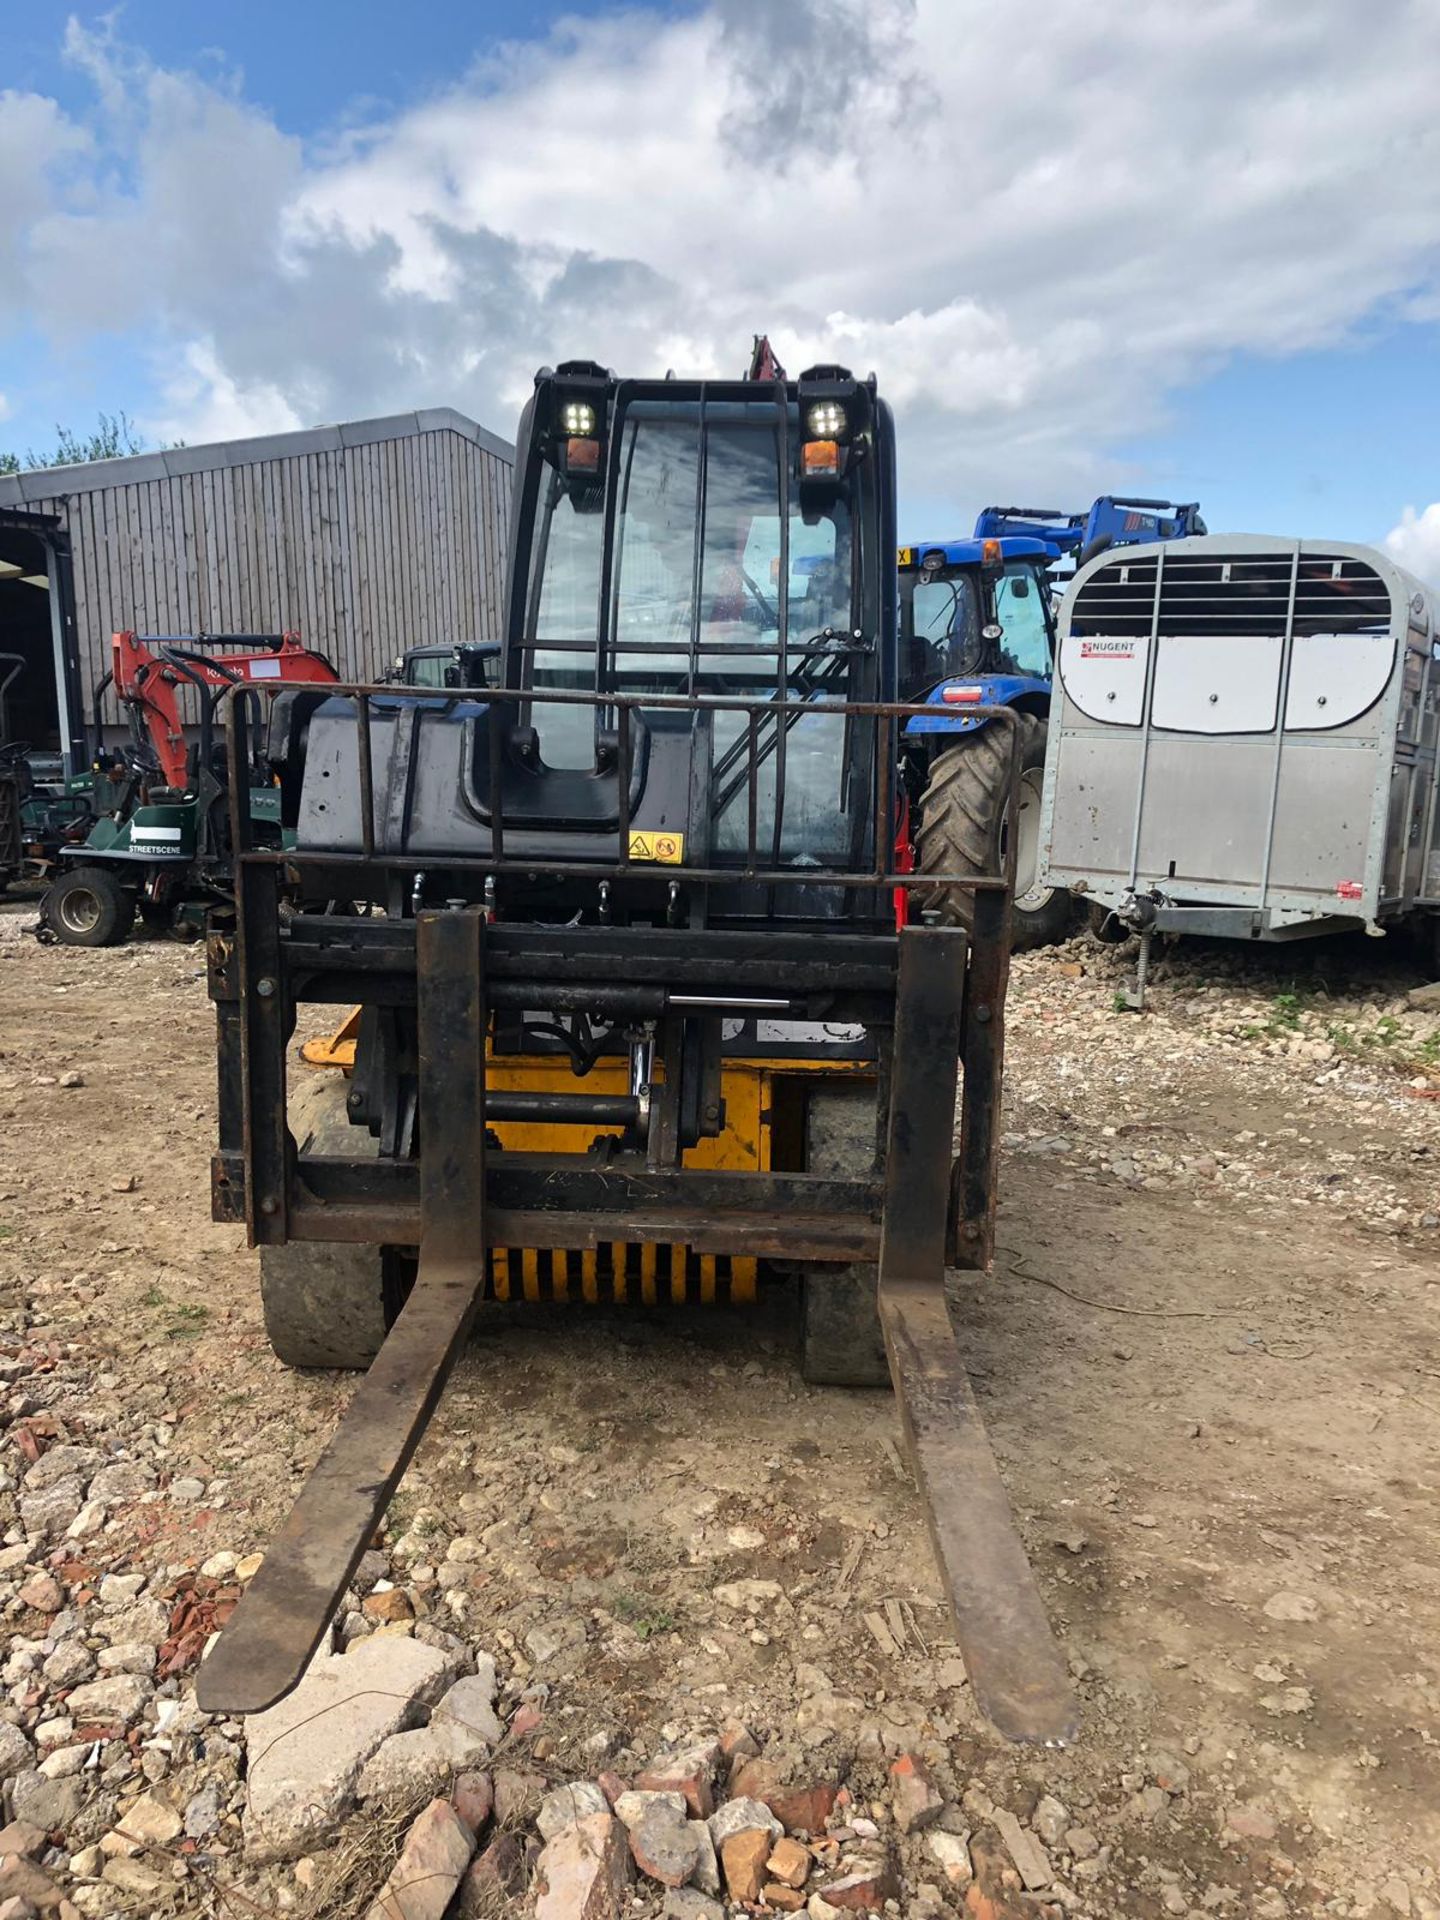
[(367, 538)]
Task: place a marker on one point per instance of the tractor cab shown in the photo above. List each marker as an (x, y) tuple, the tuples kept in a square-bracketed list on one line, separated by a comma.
[(446, 666), (974, 607)]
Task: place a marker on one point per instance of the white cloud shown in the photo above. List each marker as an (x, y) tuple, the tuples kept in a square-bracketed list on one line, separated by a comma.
[(36, 144), (1415, 543), (1034, 240), (202, 402)]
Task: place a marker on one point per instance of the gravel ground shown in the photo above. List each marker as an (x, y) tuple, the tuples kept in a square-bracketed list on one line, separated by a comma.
[(1210, 1362)]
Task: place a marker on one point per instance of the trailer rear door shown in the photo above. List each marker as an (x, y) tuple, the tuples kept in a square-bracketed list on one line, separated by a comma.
[(1172, 769)]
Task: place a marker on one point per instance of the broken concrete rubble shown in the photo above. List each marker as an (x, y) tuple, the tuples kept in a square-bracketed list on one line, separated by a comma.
[(306, 1753)]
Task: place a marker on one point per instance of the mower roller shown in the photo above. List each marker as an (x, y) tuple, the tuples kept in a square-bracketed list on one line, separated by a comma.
[(639, 1010)]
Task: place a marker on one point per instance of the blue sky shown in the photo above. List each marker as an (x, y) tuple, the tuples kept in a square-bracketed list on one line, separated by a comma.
[(1326, 443), (312, 63), (1192, 257)]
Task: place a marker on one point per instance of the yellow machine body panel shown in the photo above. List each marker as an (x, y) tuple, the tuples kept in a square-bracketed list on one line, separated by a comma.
[(743, 1146), (622, 1272)]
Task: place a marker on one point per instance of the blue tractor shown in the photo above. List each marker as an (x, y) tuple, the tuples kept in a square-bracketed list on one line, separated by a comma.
[(977, 632)]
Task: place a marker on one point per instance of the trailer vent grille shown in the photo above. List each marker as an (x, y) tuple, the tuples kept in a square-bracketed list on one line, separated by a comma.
[(1239, 593)]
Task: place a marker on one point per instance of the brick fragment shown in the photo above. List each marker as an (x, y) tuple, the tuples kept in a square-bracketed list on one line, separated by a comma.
[(423, 1880), (689, 1772), (473, 1798), (800, 1807), (776, 1894), (917, 1801), (789, 1862), (864, 1891), (743, 1858)]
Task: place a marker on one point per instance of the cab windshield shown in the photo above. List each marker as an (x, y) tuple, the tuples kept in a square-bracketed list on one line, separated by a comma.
[(946, 617), (945, 611), (726, 579), (696, 590)]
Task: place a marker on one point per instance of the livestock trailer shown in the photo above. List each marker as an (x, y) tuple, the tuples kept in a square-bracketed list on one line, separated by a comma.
[(1243, 740)]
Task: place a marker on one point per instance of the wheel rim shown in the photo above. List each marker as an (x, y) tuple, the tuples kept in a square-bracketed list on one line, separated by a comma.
[(1030, 896), (79, 910)]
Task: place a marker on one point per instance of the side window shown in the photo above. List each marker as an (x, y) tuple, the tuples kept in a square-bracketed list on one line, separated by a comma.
[(566, 617), (427, 670), (1022, 609)]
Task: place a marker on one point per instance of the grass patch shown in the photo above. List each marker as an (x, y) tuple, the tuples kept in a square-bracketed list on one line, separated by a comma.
[(1388, 1041), (183, 1318), (643, 1616)]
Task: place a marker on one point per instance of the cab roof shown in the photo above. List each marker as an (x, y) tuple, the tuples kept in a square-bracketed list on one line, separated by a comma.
[(969, 553)]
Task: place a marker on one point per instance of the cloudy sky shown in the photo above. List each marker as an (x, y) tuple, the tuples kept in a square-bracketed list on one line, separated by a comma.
[(1192, 252)]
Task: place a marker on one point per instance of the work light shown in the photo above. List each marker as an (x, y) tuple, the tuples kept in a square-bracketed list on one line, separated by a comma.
[(578, 418), (826, 420)]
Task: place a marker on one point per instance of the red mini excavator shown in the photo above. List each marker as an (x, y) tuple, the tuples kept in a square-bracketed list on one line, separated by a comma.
[(150, 669)]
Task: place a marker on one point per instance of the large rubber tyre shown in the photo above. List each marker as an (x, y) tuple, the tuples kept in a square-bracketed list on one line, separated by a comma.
[(841, 1344), (326, 1304), (88, 907), (962, 830)]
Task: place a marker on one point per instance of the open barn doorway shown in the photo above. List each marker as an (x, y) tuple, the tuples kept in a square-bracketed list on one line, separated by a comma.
[(41, 702)]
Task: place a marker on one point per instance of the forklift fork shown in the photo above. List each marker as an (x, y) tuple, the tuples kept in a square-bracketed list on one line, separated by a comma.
[(1019, 1678), (287, 1607)]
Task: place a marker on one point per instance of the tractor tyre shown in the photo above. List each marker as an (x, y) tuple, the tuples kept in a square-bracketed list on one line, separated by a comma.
[(841, 1344), (327, 1304), (88, 907), (962, 830)]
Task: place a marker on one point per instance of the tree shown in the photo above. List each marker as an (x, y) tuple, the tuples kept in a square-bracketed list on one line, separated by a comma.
[(113, 437)]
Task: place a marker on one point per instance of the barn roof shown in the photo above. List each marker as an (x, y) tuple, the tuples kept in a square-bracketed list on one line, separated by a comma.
[(47, 483)]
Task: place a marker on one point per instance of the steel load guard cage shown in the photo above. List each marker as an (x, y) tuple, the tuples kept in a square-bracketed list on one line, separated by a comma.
[(264, 962), (682, 944)]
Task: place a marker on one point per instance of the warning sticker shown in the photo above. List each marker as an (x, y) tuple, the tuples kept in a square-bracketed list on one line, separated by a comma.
[(665, 849)]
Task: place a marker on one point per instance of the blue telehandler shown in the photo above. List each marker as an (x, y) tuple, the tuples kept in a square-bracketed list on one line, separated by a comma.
[(978, 632)]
